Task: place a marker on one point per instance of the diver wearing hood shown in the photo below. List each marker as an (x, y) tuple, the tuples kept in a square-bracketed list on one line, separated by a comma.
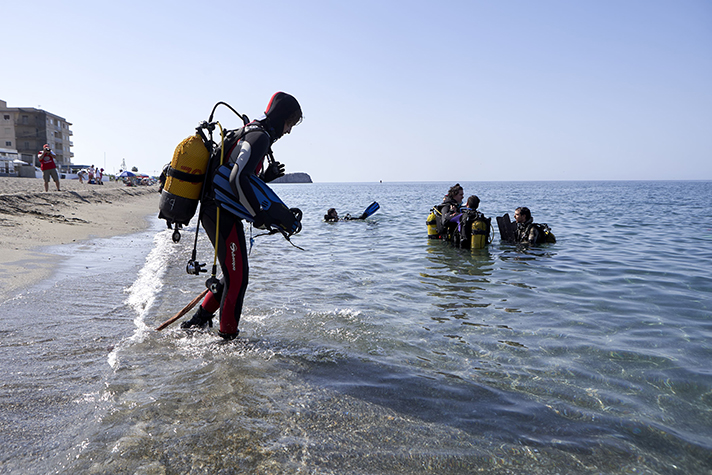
[(529, 232), (246, 157)]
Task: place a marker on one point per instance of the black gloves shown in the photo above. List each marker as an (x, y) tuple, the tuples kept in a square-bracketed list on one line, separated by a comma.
[(273, 171), (262, 220)]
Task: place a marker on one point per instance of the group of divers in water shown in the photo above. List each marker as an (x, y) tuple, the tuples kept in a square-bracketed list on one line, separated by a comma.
[(466, 227)]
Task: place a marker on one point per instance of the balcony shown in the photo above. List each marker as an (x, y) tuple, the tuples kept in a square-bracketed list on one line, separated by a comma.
[(27, 135)]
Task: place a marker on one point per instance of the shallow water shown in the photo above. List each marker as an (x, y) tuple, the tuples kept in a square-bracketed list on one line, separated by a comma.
[(376, 350)]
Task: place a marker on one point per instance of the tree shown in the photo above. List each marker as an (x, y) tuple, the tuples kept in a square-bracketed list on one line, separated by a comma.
[(134, 169)]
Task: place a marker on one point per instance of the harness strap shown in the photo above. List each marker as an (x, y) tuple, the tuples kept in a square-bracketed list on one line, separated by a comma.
[(217, 213), (189, 177)]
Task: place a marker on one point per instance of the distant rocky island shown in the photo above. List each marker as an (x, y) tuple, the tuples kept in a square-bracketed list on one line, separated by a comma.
[(298, 177)]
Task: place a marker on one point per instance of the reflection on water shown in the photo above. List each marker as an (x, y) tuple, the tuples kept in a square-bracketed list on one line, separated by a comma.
[(459, 277)]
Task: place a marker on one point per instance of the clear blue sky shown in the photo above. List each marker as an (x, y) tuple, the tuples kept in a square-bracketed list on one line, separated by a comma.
[(391, 90)]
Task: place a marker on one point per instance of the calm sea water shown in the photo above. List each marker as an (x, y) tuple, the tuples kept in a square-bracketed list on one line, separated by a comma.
[(377, 351)]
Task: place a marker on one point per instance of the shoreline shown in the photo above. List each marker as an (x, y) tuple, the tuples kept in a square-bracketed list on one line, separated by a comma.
[(32, 219)]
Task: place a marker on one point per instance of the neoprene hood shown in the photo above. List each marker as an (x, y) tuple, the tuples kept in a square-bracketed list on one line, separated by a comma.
[(280, 108)]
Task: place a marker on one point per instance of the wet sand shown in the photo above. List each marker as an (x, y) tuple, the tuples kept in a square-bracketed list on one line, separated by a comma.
[(32, 219)]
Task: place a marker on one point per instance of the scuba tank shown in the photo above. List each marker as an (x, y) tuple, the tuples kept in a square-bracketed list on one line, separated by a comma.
[(545, 234), (184, 181), (478, 240), (432, 224)]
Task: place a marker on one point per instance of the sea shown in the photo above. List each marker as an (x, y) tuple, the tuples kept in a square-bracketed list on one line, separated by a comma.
[(371, 349)]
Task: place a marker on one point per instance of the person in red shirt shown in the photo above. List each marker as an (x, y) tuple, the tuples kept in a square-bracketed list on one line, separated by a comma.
[(48, 166)]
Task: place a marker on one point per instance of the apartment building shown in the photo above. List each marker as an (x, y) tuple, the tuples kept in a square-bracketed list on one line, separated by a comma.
[(27, 129)]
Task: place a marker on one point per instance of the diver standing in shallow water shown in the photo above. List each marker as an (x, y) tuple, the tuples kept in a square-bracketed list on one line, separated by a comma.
[(450, 210), (246, 157), (526, 231), (529, 232)]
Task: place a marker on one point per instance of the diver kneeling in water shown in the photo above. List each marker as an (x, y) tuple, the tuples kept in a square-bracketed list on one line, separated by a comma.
[(245, 157)]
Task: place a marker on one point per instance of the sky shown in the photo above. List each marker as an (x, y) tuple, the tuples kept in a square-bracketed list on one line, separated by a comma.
[(399, 91)]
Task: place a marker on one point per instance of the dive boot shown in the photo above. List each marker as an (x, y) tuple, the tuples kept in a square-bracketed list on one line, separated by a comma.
[(229, 336), (201, 319)]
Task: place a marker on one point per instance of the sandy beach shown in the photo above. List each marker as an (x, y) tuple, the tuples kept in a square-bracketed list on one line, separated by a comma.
[(32, 219)]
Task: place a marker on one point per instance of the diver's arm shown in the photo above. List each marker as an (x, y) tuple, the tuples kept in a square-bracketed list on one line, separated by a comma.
[(450, 211), (533, 235), (246, 159)]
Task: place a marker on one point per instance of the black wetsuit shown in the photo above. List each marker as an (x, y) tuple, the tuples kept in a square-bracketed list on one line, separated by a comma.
[(528, 232), (449, 209), (246, 157)]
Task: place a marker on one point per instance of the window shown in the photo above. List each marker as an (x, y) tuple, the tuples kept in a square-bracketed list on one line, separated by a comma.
[(8, 143), (6, 117)]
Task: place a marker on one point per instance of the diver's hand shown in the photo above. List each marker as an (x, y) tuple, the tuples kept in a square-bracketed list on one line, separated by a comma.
[(262, 220), (274, 171)]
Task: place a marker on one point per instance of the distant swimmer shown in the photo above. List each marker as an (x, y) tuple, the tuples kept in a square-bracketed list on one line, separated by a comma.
[(332, 215)]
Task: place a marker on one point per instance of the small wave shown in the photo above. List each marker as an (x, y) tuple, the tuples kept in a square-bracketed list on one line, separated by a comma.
[(142, 293)]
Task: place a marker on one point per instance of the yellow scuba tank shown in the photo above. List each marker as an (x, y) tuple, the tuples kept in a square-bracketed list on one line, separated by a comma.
[(479, 234), (545, 234), (184, 181), (432, 225)]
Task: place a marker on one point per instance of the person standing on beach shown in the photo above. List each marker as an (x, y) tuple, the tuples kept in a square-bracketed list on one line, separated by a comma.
[(246, 157), (48, 166)]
